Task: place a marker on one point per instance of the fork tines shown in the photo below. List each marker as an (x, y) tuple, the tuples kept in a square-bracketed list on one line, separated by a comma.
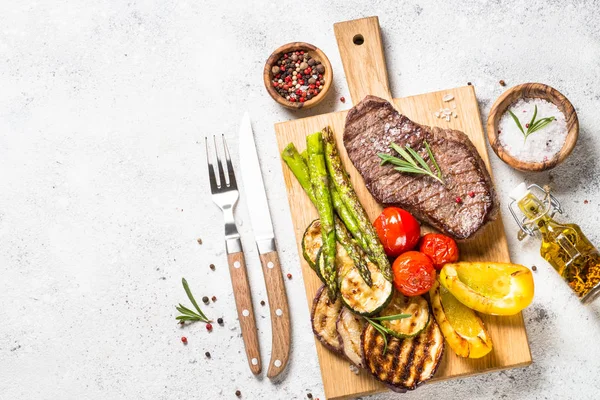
[(222, 183)]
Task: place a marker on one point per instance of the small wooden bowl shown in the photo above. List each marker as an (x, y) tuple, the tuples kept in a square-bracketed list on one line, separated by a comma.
[(315, 53), (529, 90)]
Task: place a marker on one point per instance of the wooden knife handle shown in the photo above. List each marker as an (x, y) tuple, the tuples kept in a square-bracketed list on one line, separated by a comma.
[(363, 58), (245, 310), (280, 314)]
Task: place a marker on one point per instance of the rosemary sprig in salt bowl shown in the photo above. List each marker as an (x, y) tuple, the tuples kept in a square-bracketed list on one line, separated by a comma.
[(533, 125), (412, 162)]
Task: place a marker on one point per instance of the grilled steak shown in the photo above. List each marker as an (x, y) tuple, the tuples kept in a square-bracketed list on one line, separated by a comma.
[(459, 207)]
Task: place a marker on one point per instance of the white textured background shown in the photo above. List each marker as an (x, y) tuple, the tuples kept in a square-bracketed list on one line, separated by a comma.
[(103, 187)]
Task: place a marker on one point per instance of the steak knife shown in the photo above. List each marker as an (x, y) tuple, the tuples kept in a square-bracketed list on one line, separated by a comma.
[(262, 227)]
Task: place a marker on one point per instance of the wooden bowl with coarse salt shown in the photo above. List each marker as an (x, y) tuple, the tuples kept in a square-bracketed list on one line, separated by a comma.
[(314, 53), (529, 92)]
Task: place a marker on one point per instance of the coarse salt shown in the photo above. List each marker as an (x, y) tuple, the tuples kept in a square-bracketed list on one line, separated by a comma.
[(540, 146)]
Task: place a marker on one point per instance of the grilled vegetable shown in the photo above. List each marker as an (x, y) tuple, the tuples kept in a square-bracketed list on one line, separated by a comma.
[(324, 316), (350, 327), (297, 165), (416, 306), (440, 248), (342, 184), (358, 295), (398, 230), (320, 182), (463, 329), (488, 287), (413, 273), (349, 220), (407, 362), (311, 243)]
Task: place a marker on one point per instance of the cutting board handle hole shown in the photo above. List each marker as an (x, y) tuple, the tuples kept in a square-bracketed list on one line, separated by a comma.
[(358, 39)]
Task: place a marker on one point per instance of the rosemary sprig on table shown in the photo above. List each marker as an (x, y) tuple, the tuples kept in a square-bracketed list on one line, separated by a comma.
[(534, 125), (412, 162), (383, 331), (187, 314)]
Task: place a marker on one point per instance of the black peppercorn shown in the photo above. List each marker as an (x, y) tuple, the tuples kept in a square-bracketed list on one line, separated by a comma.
[(238, 393), (207, 354), (212, 266), (205, 300), (220, 321)]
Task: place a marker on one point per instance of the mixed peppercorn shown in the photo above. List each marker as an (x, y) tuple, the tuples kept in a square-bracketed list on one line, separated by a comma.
[(297, 76)]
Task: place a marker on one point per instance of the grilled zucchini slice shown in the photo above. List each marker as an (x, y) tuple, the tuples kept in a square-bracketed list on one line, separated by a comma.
[(324, 318), (416, 306), (407, 362), (350, 327), (356, 294), (311, 243)]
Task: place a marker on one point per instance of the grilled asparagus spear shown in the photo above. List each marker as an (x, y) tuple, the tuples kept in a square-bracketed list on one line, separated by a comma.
[(320, 182), (342, 184), (298, 166)]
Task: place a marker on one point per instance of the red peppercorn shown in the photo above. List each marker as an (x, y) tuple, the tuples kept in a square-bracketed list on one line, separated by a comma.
[(184, 340), (320, 76), (307, 71), (209, 327), (285, 56), (293, 100), (471, 194), (275, 84), (302, 99), (318, 83), (289, 276), (301, 81), (526, 125), (302, 52), (312, 86), (458, 199), (343, 99)]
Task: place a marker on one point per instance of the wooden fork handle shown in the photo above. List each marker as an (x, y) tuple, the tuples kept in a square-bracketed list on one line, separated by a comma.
[(245, 310), (280, 314)]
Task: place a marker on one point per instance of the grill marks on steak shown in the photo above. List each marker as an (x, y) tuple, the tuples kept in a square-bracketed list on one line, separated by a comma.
[(370, 128)]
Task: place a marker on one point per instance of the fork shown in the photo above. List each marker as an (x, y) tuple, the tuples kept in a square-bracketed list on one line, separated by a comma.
[(225, 194)]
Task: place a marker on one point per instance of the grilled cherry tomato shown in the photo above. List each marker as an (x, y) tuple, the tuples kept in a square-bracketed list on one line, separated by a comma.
[(440, 248), (413, 273), (398, 231)]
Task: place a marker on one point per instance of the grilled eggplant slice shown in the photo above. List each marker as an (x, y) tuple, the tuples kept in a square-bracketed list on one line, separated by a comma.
[(350, 327), (407, 362), (416, 306), (356, 294), (324, 318), (311, 243)]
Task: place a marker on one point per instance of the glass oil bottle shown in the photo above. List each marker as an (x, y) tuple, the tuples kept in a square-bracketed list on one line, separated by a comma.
[(564, 245)]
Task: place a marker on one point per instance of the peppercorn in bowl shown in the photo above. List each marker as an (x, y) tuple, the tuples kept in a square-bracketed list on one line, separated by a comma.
[(298, 75)]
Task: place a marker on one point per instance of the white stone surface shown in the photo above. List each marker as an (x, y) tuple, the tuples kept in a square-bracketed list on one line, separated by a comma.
[(103, 187)]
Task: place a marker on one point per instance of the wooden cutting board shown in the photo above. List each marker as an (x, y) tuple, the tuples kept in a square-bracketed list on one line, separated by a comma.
[(366, 73)]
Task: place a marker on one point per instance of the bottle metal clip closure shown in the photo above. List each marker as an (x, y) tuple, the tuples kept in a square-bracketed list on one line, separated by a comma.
[(527, 226)]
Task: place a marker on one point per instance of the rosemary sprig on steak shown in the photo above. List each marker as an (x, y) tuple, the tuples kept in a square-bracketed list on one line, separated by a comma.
[(412, 162)]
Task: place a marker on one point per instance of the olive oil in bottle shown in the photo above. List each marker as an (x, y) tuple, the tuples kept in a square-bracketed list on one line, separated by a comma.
[(564, 245)]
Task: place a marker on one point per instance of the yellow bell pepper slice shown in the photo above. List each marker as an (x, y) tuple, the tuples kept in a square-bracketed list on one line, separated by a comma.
[(462, 328), (489, 287)]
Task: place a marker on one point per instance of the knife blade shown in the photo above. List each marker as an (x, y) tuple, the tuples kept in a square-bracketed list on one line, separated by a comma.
[(262, 226), (254, 188)]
